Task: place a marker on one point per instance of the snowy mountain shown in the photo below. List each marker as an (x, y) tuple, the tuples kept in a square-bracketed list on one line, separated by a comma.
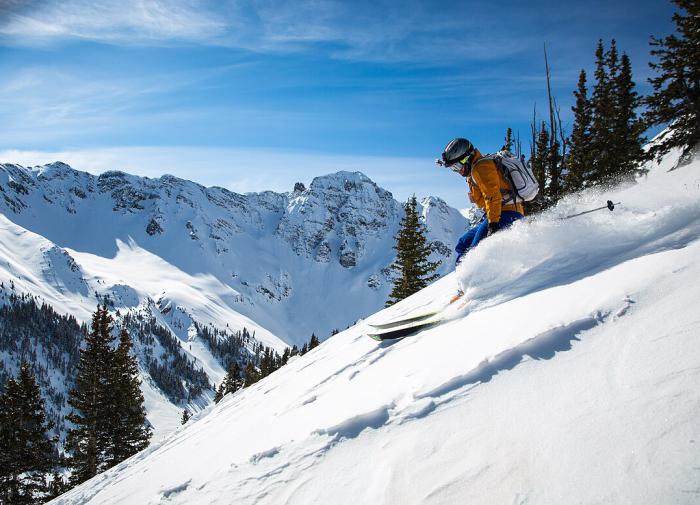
[(260, 255), (570, 375), (172, 258)]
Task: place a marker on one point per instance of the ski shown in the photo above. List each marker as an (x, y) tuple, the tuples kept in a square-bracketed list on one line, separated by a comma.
[(406, 329), (403, 320), (411, 323)]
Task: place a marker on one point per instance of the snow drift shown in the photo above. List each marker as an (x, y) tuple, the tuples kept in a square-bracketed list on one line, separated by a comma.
[(571, 376)]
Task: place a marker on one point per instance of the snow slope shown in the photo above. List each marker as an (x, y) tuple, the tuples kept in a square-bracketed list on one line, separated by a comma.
[(570, 376)]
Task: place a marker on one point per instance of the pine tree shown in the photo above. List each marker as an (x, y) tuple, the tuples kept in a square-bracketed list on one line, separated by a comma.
[(233, 380), (264, 363), (27, 454), (540, 162), (508, 141), (615, 154), (552, 192), (128, 432), (628, 129), (91, 399), (250, 374), (313, 341), (185, 416), (602, 142), (612, 60), (219, 393), (676, 96), (412, 251), (580, 161), (286, 355), (58, 485)]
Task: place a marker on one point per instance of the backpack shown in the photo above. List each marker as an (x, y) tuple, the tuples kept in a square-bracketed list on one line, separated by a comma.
[(523, 185)]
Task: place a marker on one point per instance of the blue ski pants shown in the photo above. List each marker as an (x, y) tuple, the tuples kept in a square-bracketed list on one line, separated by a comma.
[(475, 234)]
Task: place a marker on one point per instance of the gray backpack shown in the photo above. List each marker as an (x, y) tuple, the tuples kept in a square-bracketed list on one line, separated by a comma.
[(523, 185)]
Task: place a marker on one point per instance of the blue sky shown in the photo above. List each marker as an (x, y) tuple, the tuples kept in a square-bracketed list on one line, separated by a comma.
[(260, 94)]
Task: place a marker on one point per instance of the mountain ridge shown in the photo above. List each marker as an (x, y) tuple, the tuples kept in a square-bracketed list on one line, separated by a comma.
[(201, 229)]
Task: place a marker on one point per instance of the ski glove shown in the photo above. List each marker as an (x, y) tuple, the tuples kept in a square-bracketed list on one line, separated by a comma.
[(493, 228)]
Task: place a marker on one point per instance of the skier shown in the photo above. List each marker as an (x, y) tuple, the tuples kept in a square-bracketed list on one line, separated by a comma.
[(488, 190)]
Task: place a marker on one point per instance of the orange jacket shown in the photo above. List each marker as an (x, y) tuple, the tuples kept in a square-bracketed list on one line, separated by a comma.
[(488, 187)]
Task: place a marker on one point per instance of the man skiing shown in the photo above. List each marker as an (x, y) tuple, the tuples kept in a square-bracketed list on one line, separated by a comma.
[(488, 190)]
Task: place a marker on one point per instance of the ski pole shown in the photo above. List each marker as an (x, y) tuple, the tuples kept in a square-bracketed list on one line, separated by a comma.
[(610, 206)]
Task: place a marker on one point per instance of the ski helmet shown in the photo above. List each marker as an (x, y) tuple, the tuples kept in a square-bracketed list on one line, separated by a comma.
[(457, 151)]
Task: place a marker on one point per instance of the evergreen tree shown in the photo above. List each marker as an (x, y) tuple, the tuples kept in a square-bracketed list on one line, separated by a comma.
[(250, 374), (539, 163), (286, 355), (91, 399), (268, 362), (233, 380), (508, 141), (219, 393), (128, 430), (552, 192), (628, 129), (185, 416), (313, 341), (602, 141), (676, 96), (612, 60), (580, 162), (615, 154), (615, 147), (27, 454), (412, 251), (58, 485), (264, 363)]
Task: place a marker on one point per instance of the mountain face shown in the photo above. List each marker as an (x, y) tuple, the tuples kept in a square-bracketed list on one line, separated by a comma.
[(270, 250), (171, 257)]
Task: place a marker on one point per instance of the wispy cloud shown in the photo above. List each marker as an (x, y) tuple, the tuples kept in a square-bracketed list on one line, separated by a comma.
[(112, 21), (413, 31), (422, 32), (60, 102)]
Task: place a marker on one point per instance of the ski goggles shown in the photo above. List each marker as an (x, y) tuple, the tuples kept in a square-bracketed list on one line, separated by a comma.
[(459, 166)]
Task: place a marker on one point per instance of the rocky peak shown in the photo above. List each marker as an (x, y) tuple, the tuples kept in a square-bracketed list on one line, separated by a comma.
[(334, 217)]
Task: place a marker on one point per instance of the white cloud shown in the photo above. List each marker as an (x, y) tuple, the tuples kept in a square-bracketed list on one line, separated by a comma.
[(49, 103), (415, 31), (119, 21), (250, 170)]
